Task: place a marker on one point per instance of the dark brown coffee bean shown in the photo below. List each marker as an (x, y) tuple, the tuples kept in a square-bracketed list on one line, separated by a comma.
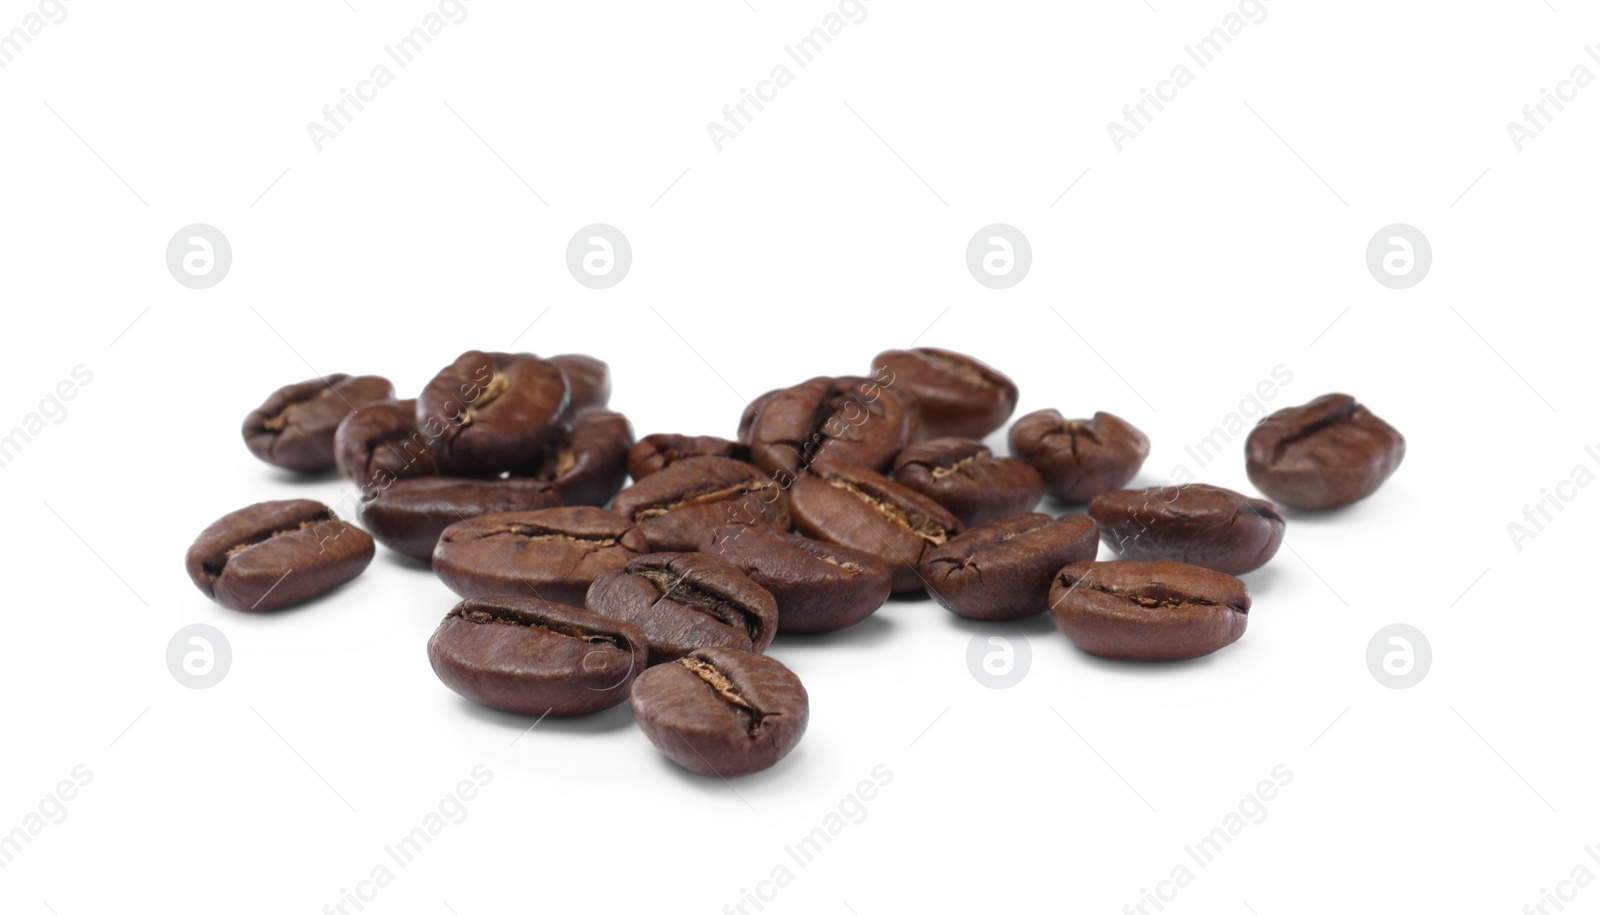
[(964, 476), (752, 410), (553, 553), (1079, 458), (588, 461), (588, 381), (852, 506), (654, 452), (1202, 525), (533, 657), (1003, 570), (294, 427), (1148, 611), (840, 419), (675, 507), (955, 394), (380, 443), (819, 587), (488, 413), (275, 554), (1324, 454), (721, 712), (685, 601), (409, 515)]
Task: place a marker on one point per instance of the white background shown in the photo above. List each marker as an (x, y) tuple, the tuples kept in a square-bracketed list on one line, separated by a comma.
[(1227, 239)]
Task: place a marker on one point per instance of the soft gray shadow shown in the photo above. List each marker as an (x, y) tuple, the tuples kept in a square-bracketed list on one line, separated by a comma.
[(749, 788), (401, 560), (869, 633), (297, 478), (610, 720), (1036, 626), (1142, 668)]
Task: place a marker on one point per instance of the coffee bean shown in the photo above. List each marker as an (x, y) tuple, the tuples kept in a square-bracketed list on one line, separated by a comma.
[(1148, 611), (1079, 458), (380, 443), (840, 419), (1002, 570), (1324, 454), (534, 657), (587, 461), (752, 411), (588, 381), (964, 476), (409, 515), (819, 587), (685, 601), (487, 413), (852, 506), (294, 427), (721, 712), (675, 507), (1202, 525), (275, 554), (553, 553), (955, 394), (654, 452)]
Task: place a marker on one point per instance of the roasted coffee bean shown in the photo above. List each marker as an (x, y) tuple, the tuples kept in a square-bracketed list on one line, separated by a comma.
[(294, 428), (752, 410), (1079, 458), (721, 712), (851, 505), (380, 443), (819, 587), (839, 419), (409, 515), (1202, 525), (588, 381), (675, 507), (964, 476), (955, 394), (588, 461), (1148, 611), (275, 554), (553, 553), (534, 657), (1324, 454), (685, 601), (653, 452), (1003, 570), (487, 413)]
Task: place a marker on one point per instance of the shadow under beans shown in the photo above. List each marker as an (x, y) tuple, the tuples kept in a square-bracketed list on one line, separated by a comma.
[(1144, 668), (744, 786), (402, 561), (871, 632), (607, 721), (1039, 625), (289, 477)]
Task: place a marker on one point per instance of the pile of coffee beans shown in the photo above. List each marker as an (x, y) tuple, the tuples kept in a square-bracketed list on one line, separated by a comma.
[(581, 589)]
